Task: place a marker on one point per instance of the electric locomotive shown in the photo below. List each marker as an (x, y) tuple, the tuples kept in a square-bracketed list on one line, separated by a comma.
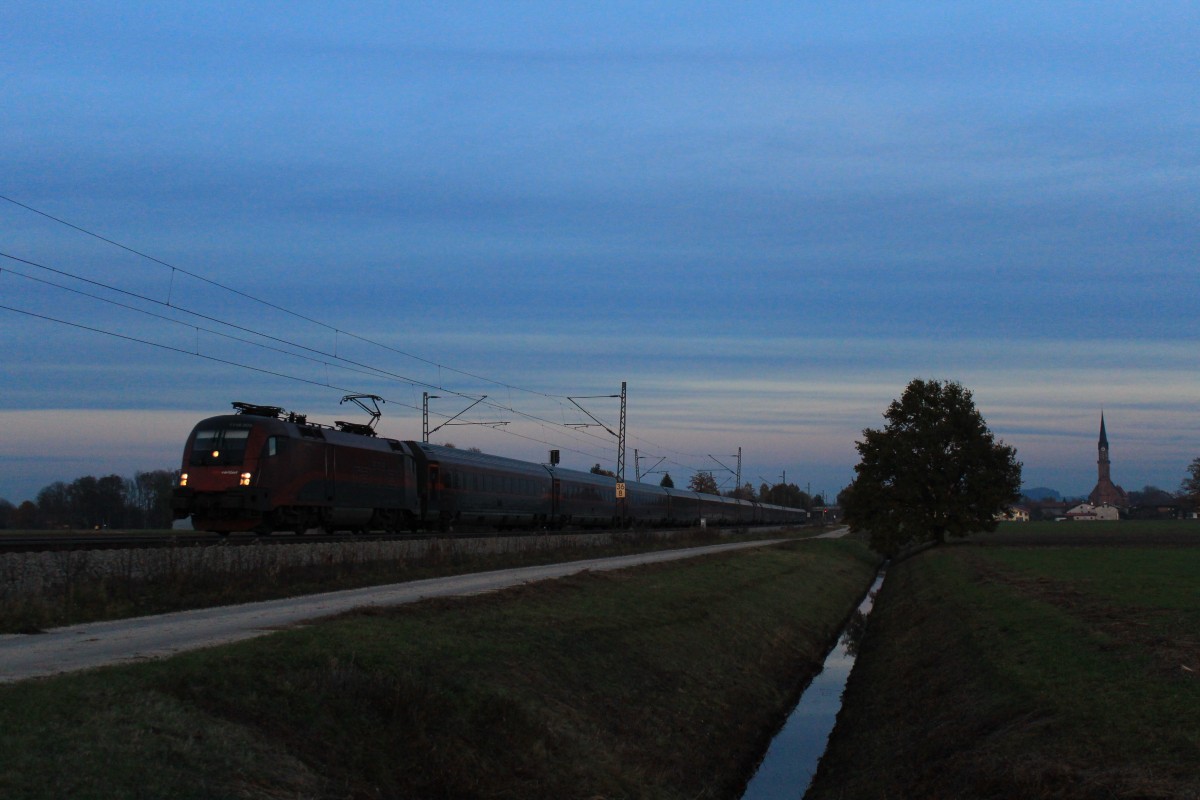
[(264, 470)]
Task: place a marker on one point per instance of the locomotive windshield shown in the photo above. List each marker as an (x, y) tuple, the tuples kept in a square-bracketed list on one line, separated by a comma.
[(220, 446)]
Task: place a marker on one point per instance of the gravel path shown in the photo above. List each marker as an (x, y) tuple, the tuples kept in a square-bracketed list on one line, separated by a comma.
[(98, 644)]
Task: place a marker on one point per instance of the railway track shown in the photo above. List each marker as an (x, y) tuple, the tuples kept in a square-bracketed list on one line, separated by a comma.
[(51, 542), (29, 543)]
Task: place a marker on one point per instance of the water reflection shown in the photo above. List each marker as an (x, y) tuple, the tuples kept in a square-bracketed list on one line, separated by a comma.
[(791, 760), (855, 628)]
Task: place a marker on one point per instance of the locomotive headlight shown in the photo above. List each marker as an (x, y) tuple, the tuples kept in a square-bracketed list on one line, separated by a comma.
[(245, 481), (183, 479)]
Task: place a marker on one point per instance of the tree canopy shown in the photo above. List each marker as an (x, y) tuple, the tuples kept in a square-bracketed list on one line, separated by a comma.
[(743, 492), (705, 483), (1150, 495), (934, 470), (1190, 487), (784, 494), (143, 501)]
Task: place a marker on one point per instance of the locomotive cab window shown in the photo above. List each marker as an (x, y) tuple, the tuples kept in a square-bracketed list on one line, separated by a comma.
[(219, 447)]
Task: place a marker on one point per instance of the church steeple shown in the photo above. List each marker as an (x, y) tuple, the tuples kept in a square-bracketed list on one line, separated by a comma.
[(1106, 492), (1102, 462)]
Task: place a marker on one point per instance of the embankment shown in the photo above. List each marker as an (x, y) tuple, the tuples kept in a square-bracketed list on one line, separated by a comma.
[(1033, 672), (656, 682)]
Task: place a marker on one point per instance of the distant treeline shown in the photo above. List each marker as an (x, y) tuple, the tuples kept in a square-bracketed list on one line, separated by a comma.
[(143, 501)]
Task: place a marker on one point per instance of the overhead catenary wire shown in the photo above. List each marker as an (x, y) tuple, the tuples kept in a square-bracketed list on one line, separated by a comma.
[(374, 373), (267, 303), (360, 367), (337, 331), (230, 362), (335, 356), (240, 365), (197, 328), (365, 369), (199, 315)]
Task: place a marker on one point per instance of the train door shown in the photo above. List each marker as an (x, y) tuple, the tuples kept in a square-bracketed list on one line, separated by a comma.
[(426, 474), (555, 499), (268, 472), (330, 473), (433, 485)]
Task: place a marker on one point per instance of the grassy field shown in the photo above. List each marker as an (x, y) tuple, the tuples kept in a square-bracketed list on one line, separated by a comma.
[(656, 682), (1121, 533), (1066, 670)]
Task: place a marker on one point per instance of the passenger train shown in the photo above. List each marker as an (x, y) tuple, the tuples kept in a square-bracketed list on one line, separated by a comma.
[(263, 470)]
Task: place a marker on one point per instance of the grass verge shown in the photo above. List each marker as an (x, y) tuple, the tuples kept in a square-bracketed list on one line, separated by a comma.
[(1026, 672), (86, 596), (656, 682)]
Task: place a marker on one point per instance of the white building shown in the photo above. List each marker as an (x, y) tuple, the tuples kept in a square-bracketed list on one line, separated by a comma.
[(1014, 514), (1086, 512)]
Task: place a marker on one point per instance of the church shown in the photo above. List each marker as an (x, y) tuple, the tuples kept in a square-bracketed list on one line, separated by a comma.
[(1106, 492)]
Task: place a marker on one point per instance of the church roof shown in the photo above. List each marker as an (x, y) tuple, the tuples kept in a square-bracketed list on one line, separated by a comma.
[(1103, 435)]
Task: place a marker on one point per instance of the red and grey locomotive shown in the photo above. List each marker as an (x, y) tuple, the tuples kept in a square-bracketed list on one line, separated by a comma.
[(262, 469)]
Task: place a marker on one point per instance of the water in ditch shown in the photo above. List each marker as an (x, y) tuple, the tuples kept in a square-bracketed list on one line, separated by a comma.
[(791, 761)]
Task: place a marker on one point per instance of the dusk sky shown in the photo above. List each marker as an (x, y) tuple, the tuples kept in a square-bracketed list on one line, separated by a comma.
[(767, 218)]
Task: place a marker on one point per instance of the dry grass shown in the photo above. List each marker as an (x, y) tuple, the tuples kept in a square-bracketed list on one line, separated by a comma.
[(70, 587)]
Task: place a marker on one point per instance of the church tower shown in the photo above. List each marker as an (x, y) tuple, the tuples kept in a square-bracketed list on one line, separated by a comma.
[(1104, 465), (1106, 492)]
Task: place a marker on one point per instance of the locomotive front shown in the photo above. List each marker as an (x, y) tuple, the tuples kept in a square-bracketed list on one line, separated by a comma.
[(217, 484)]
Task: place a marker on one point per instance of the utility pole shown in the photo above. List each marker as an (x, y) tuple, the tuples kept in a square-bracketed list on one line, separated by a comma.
[(595, 422), (425, 417), (621, 441), (425, 398)]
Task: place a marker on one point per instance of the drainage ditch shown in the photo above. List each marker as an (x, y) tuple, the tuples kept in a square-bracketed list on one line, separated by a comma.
[(791, 760)]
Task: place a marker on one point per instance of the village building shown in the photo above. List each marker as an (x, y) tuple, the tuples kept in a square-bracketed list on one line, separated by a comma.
[(1049, 509), (1014, 514), (1086, 512)]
